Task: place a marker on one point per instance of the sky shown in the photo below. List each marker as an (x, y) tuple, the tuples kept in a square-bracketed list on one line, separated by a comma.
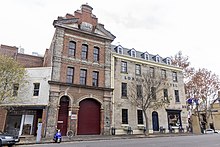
[(161, 27)]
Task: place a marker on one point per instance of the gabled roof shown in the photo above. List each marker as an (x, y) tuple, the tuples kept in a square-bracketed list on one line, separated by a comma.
[(139, 54)]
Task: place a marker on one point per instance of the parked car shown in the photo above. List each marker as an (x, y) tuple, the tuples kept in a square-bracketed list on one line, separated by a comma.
[(211, 131), (7, 139)]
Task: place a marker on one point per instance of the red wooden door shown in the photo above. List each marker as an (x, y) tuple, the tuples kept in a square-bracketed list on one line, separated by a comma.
[(63, 115), (89, 117)]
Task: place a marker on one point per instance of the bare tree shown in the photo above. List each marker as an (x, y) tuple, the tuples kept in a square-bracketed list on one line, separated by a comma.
[(12, 77), (201, 85), (204, 86), (182, 61), (146, 93)]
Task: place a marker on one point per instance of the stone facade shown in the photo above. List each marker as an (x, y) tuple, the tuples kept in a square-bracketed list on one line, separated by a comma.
[(120, 102)]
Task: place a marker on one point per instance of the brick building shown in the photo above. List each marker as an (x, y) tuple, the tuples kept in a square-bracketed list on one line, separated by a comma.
[(80, 90), (26, 60)]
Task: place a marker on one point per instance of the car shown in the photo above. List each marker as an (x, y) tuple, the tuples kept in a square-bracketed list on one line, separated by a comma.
[(211, 131), (7, 139)]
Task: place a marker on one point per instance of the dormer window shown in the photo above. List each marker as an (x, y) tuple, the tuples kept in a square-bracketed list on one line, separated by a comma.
[(168, 61), (133, 53), (119, 49), (145, 56), (157, 58)]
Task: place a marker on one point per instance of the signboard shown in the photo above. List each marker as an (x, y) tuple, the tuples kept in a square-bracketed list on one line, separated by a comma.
[(73, 116)]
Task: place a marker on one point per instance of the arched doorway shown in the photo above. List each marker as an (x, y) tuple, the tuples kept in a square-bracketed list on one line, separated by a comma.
[(62, 122), (155, 121), (89, 117)]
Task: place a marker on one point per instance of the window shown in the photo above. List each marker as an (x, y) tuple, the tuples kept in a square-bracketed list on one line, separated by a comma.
[(139, 91), (69, 76), (96, 54), (177, 98), (168, 61), (153, 93), (15, 89), (124, 116), (72, 48), (140, 117), (137, 69), (146, 56), (174, 77), (124, 67), (83, 73), (119, 49), (36, 89), (84, 52), (165, 94), (124, 89), (157, 59), (133, 53), (95, 78), (151, 72), (163, 74)]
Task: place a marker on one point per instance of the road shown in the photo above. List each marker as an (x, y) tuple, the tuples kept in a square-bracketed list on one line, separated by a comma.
[(208, 140)]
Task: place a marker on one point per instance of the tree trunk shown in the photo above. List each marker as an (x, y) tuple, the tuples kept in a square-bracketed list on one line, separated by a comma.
[(146, 124)]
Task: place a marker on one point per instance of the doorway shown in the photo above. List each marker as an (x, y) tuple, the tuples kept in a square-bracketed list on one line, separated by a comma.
[(89, 117), (155, 121)]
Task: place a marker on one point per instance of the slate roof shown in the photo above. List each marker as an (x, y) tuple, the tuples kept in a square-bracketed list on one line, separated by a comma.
[(139, 54)]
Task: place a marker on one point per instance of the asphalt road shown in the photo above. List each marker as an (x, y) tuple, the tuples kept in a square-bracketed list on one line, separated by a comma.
[(208, 140)]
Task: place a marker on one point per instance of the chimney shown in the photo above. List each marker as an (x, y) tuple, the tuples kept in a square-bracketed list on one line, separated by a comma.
[(86, 8)]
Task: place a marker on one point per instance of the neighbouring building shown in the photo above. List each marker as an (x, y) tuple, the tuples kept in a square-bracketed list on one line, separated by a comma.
[(26, 60), (128, 65), (20, 116), (80, 88), (30, 104)]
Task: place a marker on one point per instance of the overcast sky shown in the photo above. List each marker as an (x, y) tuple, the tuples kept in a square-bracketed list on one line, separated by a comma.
[(161, 27)]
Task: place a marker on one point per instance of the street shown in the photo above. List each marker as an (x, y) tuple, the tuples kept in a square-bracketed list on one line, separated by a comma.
[(208, 140)]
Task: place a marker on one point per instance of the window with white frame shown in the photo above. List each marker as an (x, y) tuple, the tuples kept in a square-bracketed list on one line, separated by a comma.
[(146, 56), (157, 59), (174, 76), (152, 74), (168, 61), (123, 67), (119, 50), (163, 74), (70, 74), (72, 48), (138, 69), (133, 53), (95, 78)]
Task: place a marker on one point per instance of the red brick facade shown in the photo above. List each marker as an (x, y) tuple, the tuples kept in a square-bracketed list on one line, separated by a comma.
[(26, 60)]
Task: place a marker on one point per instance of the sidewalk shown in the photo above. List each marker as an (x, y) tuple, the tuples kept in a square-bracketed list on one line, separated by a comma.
[(32, 140)]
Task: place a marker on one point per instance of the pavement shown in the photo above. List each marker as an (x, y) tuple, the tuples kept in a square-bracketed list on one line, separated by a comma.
[(32, 140)]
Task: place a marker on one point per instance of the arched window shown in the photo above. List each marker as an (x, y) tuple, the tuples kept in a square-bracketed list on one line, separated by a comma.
[(119, 49), (146, 56), (132, 53), (168, 61), (157, 58), (72, 48)]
